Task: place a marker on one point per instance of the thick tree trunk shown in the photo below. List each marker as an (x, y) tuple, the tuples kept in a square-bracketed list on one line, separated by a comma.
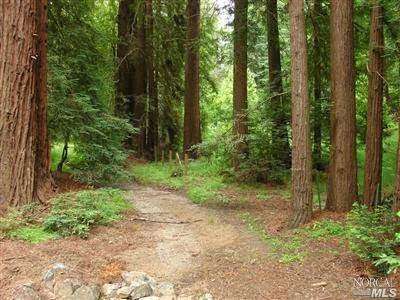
[(132, 73), (342, 187), (153, 110), (280, 140), (24, 145), (318, 63), (301, 143), (373, 157), (240, 80), (140, 86), (192, 128), (126, 68)]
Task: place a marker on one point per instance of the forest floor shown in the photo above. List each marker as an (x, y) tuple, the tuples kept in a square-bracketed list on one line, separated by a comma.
[(223, 251)]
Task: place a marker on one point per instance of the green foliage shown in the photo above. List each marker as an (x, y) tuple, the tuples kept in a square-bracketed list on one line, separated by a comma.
[(326, 229), (32, 234), (373, 236), (81, 88), (77, 213), (17, 218)]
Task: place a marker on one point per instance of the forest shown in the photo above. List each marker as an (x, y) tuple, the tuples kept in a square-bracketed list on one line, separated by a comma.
[(199, 149)]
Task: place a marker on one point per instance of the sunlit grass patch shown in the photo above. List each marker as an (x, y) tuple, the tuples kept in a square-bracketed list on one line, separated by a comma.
[(32, 234)]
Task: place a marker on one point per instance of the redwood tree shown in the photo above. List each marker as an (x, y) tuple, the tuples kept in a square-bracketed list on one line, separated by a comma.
[(240, 79), (342, 186), (280, 139), (373, 157), (152, 141), (126, 69), (192, 128), (24, 145), (132, 72), (301, 143)]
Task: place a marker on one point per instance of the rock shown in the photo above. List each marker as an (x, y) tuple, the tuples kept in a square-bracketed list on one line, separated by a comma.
[(207, 296), (133, 276), (63, 290), (185, 298), (141, 290), (55, 268), (87, 293), (165, 289), (110, 289), (26, 293), (151, 298), (124, 292)]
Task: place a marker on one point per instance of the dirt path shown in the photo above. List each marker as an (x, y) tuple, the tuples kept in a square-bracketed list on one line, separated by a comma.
[(212, 251), (199, 249)]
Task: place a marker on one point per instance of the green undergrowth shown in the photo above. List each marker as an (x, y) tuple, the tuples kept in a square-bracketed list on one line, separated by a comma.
[(203, 183), (372, 235), (70, 214), (291, 247)]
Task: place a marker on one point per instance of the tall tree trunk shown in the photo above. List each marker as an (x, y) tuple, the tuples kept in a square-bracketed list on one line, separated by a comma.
[(240, 80), (373, 157), (192, 128), (342, 186), (24, 145), (317, 59), (140, 84), (126, 68), (301, 155), (153, 122), (280, 140)]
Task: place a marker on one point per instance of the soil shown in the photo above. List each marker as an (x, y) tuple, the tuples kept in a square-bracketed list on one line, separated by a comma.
[(199, 249)]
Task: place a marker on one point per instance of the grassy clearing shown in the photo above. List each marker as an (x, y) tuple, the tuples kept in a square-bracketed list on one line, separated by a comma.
[(203, 183), (70, 214)]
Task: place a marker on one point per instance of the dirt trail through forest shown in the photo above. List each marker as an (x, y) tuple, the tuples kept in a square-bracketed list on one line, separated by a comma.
[(208, 250), (199, 249)]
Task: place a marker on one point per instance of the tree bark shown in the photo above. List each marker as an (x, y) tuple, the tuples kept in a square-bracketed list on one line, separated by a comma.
[(192, 128), (318, 63), (24, 145), (280, 140), (153, 110), (126, 68), (240, 81), (132, 73), (301, 143), (373, 157), (140, 85), (342, 186)]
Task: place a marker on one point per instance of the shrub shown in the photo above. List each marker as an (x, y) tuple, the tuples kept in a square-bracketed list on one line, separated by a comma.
[(374, 236), (76, 213)]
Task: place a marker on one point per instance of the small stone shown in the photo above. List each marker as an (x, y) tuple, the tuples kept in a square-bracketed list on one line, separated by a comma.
[(63, 290), (26, 293), (110, 289), (87, 293), (165, 289), (55, 268), (319, 284), (132, 276), (124, 292), (207, 296), (141, 290)]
